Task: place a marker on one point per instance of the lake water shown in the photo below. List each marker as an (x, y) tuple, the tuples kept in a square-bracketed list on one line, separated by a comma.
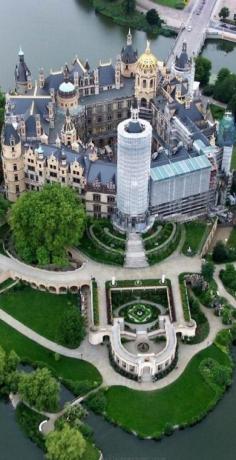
[(52, 32)]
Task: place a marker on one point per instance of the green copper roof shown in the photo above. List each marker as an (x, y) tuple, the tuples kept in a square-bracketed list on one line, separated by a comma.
[(180, 167)]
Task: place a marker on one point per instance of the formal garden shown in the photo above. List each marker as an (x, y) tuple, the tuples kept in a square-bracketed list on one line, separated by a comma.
[(180, 404), (139, 313), (161, 241), (102, 243)]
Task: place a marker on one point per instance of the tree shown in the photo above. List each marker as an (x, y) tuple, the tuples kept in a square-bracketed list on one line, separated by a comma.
[(153, 17), (2, 365), (220, 252), (129, 6), (202, 70), (224, 13), (4, 206), (2, 109), (44, 223), (225, 86), (65, 444), (40, 390), (208, 271), (71, 329)]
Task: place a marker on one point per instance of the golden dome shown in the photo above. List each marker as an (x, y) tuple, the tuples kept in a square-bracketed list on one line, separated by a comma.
[(147, 61)]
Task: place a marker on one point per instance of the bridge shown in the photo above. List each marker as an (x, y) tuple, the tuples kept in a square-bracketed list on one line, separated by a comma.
[(194, 30)]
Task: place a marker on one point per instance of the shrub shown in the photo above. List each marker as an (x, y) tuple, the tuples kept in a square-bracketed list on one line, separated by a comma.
[(97, 402), (71, 330)]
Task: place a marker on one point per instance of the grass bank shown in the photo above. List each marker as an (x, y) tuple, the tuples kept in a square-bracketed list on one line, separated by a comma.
[(68, 369), (195, 234), (182, 403), (40, 311), (135, 20)]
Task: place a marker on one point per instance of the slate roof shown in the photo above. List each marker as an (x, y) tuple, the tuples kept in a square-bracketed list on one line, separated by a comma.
[(21, 70), (129, 55), (103, 171), (106, 75), (10, 133), (134, 127)]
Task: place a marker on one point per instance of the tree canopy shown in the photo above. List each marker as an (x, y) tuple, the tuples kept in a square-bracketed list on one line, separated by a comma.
[(71, 329), (44, 223), (40, 390), (202, 70), (224, 12), (65, 444), (153, 17), (208, 271)]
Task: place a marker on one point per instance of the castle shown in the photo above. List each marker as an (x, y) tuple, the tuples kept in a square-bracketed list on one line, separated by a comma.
[(63, 128)]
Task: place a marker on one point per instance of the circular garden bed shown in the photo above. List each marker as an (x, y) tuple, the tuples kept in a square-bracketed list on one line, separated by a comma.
[(139, 313)]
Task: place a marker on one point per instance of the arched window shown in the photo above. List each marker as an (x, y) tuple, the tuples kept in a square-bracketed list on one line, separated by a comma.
[(144, 83)]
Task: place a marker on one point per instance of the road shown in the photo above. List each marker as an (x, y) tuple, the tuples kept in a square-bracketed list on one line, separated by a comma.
[(198, 24)]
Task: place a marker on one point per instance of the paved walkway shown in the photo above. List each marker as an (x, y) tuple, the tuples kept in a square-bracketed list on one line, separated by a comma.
[(98, 355), (135, 253)]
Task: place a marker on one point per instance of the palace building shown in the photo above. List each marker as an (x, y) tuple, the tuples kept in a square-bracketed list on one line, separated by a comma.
[(134, 138)]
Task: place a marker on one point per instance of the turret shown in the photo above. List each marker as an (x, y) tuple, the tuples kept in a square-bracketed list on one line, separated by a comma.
[(13, 162), (129, 58), (22, 75), (68, 132)]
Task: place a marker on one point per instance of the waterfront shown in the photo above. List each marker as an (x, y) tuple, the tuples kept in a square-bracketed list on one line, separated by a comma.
[(54, 32)]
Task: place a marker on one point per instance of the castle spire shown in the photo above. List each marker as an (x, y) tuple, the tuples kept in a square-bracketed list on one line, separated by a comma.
[(129, 38)]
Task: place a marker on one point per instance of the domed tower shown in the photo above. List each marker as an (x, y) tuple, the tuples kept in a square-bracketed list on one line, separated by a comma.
[(146, 77), (184, 68), (129, 58), (13, 162), (68, 132), (22, 75), (133, 171), (67, 96)]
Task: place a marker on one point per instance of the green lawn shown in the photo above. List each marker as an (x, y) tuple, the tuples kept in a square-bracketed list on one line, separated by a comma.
[(195, 234), (67, 368), (182, 402), (231, 243), (41, 311), (171, 3), (217, 111), (233, 159)]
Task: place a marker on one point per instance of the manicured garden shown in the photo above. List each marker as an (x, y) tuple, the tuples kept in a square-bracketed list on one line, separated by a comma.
[(172, 3), (139, 313), (121, 297), (156, 238), (182, 403), (74, 372), (217, 111), (195, 234), (40, 311), (184, 297), (159, 254), (101, 245)]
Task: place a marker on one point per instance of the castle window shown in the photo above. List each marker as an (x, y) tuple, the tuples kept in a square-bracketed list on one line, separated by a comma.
[(151, 83), (16, 177), (96, 197), (110, 199), (63, 179), (31, 168), (110, 209), (17, 188), (14, 167), (76, 180), (97, 208), (40, 173), (120, 104), (144, 83), (53, 174), (119, 115)]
